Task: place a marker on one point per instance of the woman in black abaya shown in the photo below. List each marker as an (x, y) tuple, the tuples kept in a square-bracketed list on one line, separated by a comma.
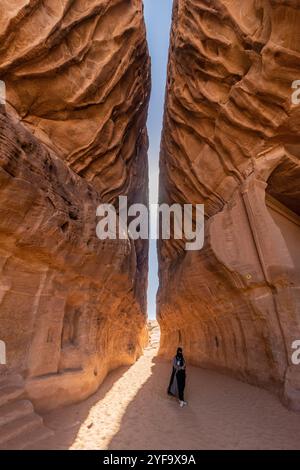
[(177, 381)]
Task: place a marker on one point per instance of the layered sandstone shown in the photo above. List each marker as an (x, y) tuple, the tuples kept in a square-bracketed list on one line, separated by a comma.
[(72, 136), (231, 141)]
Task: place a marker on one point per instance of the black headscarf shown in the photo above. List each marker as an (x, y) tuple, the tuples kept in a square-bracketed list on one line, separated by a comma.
[(179, 357)]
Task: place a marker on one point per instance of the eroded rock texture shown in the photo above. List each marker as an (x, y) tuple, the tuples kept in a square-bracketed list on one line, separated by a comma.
[(231, 140), (72, 136)]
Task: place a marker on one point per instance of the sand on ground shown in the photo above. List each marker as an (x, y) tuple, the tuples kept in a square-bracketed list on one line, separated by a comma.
[(132, 411)]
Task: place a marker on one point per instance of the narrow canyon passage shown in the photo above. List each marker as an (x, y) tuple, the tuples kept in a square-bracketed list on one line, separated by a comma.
[(73, 305), (132, 410)]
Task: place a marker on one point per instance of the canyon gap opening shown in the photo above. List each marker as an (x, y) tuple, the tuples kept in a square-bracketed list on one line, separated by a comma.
[(158, 15)]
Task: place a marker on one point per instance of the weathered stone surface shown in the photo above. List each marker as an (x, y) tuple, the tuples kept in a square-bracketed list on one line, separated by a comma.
[(20, 426), (72, 136), (77, 73), (231, 140)]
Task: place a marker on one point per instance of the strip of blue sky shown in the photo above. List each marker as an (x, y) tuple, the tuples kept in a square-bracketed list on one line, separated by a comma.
[(158, 15)]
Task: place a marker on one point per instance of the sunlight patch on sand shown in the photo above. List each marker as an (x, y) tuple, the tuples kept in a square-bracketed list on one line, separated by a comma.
[(104, 419)]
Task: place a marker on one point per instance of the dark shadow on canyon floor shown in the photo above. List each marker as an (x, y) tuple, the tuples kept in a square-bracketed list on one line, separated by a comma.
[(222, 413), (132, 411)]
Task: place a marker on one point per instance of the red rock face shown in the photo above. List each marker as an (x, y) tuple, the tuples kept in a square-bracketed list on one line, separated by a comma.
[(231, 141), (72, 136)]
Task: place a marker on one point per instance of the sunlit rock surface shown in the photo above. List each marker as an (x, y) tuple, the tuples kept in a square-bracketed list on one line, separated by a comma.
[(72, 135), (231, 141)]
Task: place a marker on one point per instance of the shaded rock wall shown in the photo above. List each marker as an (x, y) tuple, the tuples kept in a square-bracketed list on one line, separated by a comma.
[(72, 135), (231, 140)]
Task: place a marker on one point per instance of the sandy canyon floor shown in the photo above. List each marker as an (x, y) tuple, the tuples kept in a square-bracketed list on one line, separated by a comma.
[(132, 411)]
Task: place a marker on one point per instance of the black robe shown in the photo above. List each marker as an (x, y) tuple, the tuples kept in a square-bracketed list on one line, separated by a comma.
[(177, 381)]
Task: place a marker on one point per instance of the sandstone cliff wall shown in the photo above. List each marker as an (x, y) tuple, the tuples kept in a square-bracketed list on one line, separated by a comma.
[(72, 135), (231, 141)]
